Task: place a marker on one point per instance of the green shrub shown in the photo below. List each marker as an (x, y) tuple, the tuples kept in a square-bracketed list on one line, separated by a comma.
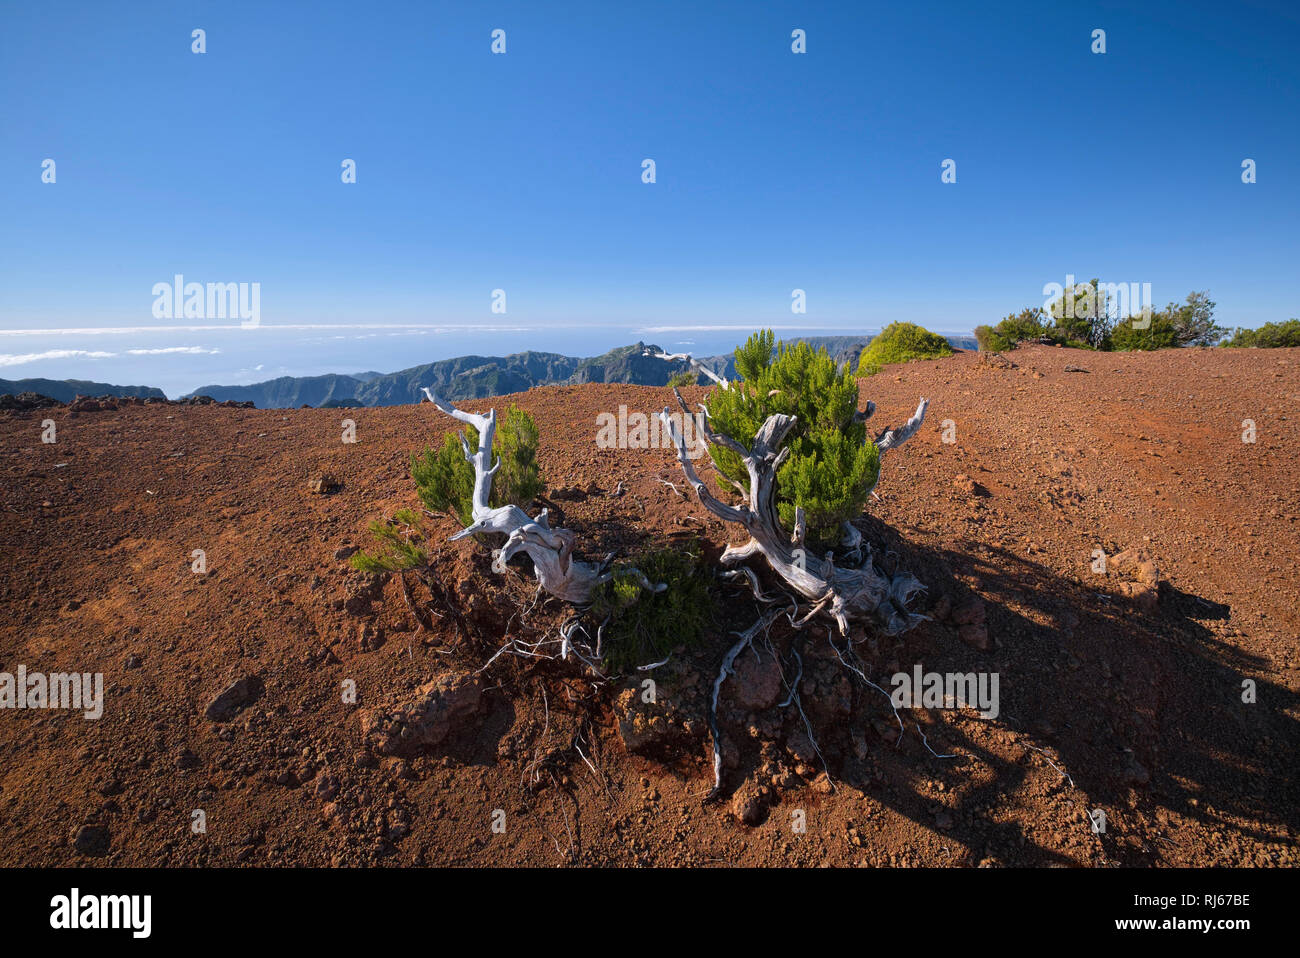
[(684, 378), (1270, 335), (755, 355), (832, 466), (900, 343), (444, 480), (1029, 323), (1159, 334), (1190, 323), (1193, 320), (1080, 316), (399, 545), (643, 627), (519, 480)]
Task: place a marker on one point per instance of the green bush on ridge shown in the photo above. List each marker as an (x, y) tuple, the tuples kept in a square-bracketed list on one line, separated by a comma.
[(1268, 336), (900, 343)]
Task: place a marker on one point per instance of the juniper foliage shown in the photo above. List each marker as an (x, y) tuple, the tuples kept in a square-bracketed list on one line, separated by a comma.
[(444, 479), (832, 465)]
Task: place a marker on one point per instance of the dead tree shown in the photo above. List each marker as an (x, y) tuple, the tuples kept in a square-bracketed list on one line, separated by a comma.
[(845, 593), (551, 550)]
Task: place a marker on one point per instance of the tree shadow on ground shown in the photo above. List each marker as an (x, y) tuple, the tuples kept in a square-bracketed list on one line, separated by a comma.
[(1142, 708)]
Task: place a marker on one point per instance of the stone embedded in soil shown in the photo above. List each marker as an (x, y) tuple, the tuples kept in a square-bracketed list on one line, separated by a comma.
[(969, 612), (832, 700), (801, 748), (976, 635), (233, 698), (323, 484), (756, 683), (942, 607), (425, 721), (362, 592), (1136, 564), (369, 636), (1135, 773), (749, 804), (673, 719), (327, 787), (968, 486), (92, 840), (642, 728)]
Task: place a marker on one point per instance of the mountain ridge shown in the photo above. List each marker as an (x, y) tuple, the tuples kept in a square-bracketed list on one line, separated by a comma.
[(479, 377), (66, 390), (458, 378)]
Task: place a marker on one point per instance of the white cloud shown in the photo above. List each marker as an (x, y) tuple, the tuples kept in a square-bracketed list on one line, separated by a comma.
[(418, 328), (19, 359), (807, 330), (169, 350)]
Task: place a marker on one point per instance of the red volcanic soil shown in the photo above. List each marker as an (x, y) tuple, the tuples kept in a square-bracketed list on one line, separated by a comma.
[(1120, 691)]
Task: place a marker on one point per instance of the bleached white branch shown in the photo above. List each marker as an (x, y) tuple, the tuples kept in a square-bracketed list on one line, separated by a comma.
[(550, 549), (695, 364)]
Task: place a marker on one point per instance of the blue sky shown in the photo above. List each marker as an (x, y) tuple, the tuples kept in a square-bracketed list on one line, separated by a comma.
[(522, 172)]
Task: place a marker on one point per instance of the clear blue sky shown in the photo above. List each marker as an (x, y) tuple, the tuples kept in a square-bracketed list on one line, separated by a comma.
[(522, 171)]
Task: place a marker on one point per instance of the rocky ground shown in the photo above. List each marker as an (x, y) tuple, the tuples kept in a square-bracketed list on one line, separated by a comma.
[(226, 692)]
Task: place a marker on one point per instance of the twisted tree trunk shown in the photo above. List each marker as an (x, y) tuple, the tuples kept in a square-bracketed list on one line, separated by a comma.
[(844, 593), (550, 549)]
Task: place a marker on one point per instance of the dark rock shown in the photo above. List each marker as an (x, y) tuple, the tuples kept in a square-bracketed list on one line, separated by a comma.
[(233, 698), (92, 840), (976, 635), (969, 612), (756, 682), (425, 721)]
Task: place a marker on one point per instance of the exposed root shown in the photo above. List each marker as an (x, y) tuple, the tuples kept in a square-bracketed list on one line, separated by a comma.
[(926, 743), (410, 604), (795, 698), (673, 487), (862, 675), (1065, 775)]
